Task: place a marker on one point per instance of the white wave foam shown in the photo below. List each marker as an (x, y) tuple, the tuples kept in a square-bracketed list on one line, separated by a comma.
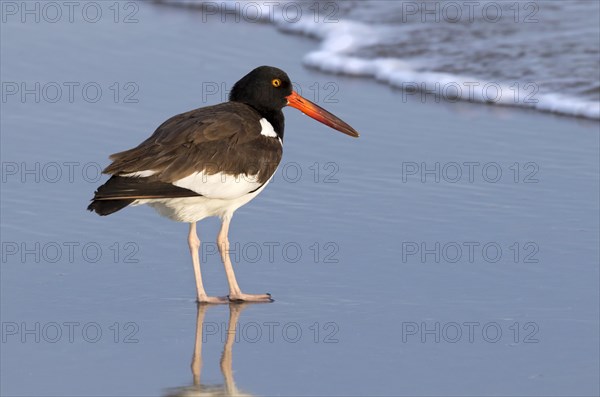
[(345, 37)]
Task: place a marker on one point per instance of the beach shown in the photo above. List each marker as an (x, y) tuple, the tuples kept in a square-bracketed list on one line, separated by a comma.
[(452, 249)]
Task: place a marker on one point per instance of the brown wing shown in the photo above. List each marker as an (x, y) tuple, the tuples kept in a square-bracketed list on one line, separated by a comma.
[(221, 138)]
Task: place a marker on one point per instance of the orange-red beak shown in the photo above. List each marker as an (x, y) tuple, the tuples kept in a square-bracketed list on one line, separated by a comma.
[(318, 113)]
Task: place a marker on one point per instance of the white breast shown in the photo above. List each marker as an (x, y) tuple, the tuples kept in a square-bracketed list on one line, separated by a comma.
[(219, 185), (193, 209)]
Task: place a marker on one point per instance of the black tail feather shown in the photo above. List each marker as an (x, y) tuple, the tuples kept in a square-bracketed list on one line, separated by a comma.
[(119, 191), (107, 207)]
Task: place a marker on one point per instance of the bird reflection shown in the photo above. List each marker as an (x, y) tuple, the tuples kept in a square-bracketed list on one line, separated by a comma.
[(228, 388)]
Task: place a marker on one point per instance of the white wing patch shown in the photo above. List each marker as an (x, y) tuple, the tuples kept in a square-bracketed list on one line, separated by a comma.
[(267, 129), (219, 185), (140, 174)]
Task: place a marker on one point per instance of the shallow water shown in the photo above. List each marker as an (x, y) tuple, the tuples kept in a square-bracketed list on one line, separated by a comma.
[(354, 301)]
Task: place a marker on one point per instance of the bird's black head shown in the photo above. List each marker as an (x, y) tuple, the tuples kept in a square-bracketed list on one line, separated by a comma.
[(265, 89), (268, 90)]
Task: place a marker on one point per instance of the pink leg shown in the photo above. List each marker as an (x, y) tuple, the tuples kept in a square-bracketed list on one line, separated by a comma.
[(235, 293), (194, 243)]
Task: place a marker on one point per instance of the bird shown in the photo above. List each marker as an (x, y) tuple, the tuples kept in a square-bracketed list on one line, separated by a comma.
[(209, 162)]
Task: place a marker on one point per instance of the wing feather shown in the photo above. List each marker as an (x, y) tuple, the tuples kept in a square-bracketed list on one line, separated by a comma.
[(223, 139)]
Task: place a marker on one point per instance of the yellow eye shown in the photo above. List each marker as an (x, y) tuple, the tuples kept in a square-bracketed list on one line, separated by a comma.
[(276, 82)]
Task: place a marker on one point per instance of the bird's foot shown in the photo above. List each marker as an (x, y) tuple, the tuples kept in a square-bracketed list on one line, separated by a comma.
[(212, 299), (240, 298)]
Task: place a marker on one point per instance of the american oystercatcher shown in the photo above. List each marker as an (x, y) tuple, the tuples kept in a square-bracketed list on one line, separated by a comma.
[(209, 162)]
